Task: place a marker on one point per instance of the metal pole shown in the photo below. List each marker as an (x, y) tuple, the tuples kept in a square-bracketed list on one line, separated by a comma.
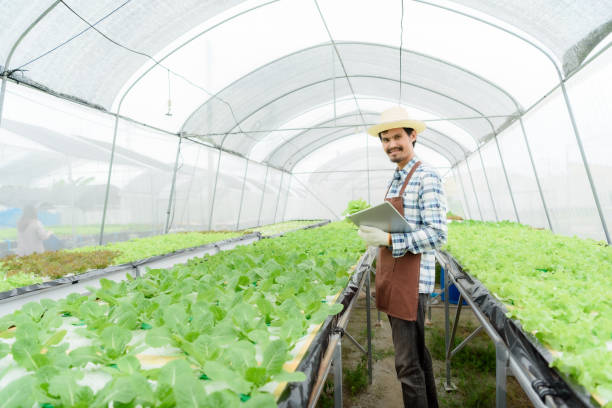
[(242, 193), (287, 198), (535, 172), (318, 199), (447, 385), (467, 204), (334, 81), (368, 163), (338, 374), (501, 364), (110, 170), (507, 180), (212, 205), (467, 164), (278, 196), (263, 194), (368, 325), (2, 92), (586, 163), (178, 151), (484, 171)]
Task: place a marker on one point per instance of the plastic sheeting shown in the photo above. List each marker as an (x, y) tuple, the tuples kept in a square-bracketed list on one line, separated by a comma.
[(532, 357), (438, 87)]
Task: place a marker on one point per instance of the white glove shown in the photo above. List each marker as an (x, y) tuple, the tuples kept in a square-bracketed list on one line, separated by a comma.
[(373, 236)]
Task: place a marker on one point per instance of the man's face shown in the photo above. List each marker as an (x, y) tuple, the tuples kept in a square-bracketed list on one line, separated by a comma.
[(398, 145)]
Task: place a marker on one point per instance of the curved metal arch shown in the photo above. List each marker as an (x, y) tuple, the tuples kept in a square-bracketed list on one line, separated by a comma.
[(542, 50), (347, 133), (372, 77), (506, 93), (270, 155), (426, 142), (369, 76)]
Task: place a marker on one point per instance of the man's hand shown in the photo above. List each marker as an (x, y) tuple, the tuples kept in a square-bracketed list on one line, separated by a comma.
[(373, 236)]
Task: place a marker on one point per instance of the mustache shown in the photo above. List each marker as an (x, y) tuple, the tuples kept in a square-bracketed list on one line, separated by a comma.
[(395, 148)]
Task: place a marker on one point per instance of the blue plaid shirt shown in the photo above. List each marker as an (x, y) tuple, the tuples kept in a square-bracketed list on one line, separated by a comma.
[(425, 211)]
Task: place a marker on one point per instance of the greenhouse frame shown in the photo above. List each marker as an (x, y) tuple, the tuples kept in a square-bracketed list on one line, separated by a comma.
[(127, 119)]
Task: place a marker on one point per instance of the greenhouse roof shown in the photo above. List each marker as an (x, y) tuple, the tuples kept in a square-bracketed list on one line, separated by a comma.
[(329, 61)]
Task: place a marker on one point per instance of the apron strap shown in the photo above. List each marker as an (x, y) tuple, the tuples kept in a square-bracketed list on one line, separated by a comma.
[(405, 182), (412, 170)]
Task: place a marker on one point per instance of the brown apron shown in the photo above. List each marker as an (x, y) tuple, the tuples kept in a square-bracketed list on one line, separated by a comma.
[(397, 279)]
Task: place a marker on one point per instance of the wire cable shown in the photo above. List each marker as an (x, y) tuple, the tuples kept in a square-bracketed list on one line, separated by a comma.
[(71, 38), (156, 62)]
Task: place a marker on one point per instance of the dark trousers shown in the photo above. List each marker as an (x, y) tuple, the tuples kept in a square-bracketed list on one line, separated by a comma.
[(412, 360)]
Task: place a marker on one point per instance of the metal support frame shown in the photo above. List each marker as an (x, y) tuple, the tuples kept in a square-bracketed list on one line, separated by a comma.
[(504, 360), (467, 204), (368, 163), (318, 199), (369, 324), (333, 353), (501, 157), (287, 197), (474, 188), (535, 173), (2, 93), (263, 195), (585, 163), (110, 170), (212, 204), (246, 167), (280, 186), (501, 372), (170, 199), (484, 171), (337, 364)]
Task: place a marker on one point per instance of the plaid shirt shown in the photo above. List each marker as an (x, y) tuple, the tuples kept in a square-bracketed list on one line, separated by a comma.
[(425, 211)]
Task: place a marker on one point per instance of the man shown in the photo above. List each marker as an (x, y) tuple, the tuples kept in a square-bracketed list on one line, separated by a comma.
[(405, 270)]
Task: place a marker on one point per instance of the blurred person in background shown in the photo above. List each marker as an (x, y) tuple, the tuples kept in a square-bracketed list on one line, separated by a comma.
[(30, 233)]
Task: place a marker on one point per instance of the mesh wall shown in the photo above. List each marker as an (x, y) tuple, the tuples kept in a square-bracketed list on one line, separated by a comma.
[(454, 195), (561, 170), (521, 176), (251, 204), (589, 93), (141, 178), (195, 179), (56, 160), (497, 182), (473, 209), (487, 207), (228, 192), (271, 196)]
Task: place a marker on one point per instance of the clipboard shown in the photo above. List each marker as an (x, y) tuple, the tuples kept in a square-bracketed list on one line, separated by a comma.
[(382, 216)]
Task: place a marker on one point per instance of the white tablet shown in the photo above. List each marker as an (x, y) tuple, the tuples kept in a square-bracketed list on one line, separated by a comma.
[(383, 216)]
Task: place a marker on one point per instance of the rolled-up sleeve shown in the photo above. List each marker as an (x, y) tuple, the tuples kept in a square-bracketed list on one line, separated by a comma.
[(433, 232)]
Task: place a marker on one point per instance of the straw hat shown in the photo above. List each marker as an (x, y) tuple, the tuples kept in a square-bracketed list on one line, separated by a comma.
[(395, 117)]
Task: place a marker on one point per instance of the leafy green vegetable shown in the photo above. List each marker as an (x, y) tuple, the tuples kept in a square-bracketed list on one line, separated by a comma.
[(233, 317), (355, 206), (556, 286)]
